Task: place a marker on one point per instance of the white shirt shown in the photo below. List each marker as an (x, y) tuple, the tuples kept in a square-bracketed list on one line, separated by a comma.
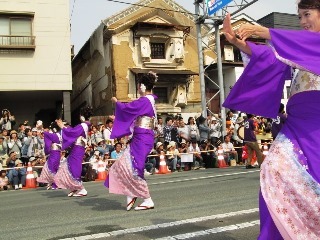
[(106, 136)]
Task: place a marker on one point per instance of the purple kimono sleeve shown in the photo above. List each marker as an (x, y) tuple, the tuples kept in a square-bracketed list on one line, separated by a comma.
[(259, 88), (70, 134), (126, 113), (301, 48), (49, 138)]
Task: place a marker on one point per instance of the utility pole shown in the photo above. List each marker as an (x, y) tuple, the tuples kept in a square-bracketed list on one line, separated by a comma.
[(235, 6)]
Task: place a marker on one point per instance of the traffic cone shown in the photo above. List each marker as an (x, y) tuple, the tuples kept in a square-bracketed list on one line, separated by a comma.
[(102, 174), (30, 179), (221, 162), (163, 168)]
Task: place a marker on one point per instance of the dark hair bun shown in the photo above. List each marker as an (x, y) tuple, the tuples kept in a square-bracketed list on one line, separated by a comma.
[(86, 112), (148, 79)]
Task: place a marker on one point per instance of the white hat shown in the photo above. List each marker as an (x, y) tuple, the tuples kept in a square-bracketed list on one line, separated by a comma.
[(159, 144), (17, 162), (213, 119), (34, 130), (32, 159), (183, 141), (98, 140), (239, 120), (171, 144)]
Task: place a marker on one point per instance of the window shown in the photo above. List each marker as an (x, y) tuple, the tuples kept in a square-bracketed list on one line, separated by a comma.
[(16, 31), (162, 94), (157, 50)]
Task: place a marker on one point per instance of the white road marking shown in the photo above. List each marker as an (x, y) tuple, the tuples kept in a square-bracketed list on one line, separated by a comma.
[(178, 223), (211, 231), (203, 177)]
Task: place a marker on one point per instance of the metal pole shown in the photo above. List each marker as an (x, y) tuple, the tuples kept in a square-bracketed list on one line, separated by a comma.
[(201, 68), (220, 78)]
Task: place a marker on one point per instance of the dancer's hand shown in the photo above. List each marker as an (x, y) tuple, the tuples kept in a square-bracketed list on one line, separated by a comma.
[(114, 99), (228, 31)]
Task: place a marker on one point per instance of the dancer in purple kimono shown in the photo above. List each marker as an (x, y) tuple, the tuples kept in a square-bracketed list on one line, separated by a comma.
[(289, 200), (52, 147), (74, 140), (126, 176)]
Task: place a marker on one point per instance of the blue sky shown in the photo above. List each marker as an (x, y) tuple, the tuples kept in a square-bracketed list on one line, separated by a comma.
[(86, 15)]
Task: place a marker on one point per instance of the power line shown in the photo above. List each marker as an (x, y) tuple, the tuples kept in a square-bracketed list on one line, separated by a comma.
[(146, 6), (74, 1)]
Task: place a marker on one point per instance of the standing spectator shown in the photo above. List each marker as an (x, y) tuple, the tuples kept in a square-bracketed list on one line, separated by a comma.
[(278, 122), (25, 146), (159, 128), (194, 131), (21, 131), (14, 144), (215, 131), (183, 130), (16, 176), (167, 130), (36, 144), (107, 133), (250, 141), (204, 130), (7, 121), (237, 139), (3, 150)]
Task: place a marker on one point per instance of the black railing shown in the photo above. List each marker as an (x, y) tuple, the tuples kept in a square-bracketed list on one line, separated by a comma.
[(17, 41)]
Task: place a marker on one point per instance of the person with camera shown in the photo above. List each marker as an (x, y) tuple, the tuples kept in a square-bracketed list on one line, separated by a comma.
[(15, 144), (7, 120)]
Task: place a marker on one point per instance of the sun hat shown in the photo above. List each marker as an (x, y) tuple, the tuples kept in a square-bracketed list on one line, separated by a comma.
[(159, 144)]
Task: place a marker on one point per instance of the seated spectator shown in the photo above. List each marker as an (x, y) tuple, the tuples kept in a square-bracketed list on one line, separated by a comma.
[(116, 153), (95, 135), (208, 154), (4, 182), (183, 148), (17, 175), (159, 149), (197, 158), (102, 146), (228, 150), (151, 163), (38, 162), (172, 156)]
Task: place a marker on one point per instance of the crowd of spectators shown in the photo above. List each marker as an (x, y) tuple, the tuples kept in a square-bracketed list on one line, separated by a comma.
[(187, 146)]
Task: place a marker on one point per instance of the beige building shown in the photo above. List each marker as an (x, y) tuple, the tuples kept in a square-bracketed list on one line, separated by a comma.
[(154, 35), (35, 59)]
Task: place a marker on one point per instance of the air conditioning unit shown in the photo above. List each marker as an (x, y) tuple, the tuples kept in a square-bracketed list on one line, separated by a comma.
[(228, 53)]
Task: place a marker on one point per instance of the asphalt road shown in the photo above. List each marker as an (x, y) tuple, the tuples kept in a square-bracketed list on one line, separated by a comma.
[(198, 204)]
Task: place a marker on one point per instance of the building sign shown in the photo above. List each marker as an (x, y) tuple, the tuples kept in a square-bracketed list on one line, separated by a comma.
[(215, 5)]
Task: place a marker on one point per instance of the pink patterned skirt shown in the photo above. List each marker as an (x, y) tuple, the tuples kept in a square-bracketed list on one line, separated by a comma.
[(124, 180), (46, 175), (63, 178)]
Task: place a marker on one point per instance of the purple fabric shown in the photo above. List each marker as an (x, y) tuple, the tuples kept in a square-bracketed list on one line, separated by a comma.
[(75, 161), (303, 126), (300, 47), (54, 161), (259, 89), (268, 229), (262, 78), (70, 135), (49, 138), (142, 139), (249, 135)]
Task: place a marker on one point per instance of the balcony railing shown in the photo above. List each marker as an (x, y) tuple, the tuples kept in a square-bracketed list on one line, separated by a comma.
[(17, 42)]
